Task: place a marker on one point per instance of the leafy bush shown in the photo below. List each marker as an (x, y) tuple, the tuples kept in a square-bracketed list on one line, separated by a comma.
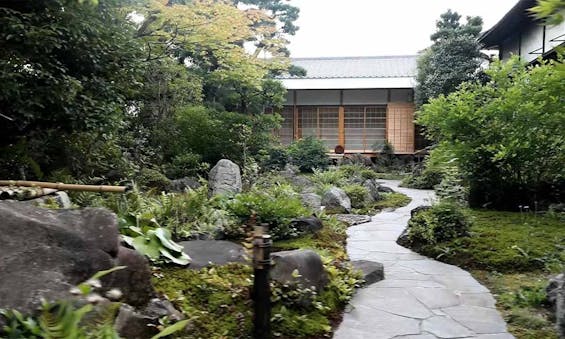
[(276, 159), (441, 222), (308, 154), (275, 206), (506, 133), (452, 188), (358, 194), (186, 164), (331, 177), (350, 171), (152, 179)]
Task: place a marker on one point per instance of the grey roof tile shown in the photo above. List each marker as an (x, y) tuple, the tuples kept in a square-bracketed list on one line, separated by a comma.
[(357, 67)]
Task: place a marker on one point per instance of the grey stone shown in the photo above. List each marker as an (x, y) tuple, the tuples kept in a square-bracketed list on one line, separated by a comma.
[(556, 297), (45, 252), (134, 281), (336, 201), (142, 323), (353, 219), (373, 189), (183, 184), (372, 271), (445, 327), (158, 308), (311, 200), (385, 189), (307, 224), (480, 320), (213, 252), (224, 178), (435, 297), (307, 263)]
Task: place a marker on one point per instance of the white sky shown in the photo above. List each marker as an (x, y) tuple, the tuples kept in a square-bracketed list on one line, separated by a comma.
[(379, 27)]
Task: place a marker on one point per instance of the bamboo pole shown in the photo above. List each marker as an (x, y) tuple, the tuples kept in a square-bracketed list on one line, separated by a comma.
[(65, 187)]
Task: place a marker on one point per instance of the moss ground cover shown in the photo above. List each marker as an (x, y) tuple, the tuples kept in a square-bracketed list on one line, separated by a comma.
[(218, 301), (513, 254)]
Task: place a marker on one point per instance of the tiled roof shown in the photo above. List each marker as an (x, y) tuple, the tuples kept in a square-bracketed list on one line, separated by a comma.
[(357, 67)]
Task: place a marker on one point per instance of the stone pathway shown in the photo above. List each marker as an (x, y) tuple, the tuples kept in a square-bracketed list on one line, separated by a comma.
[(420, 297)]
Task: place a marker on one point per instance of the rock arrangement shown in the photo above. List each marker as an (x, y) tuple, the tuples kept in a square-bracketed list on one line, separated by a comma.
[(308, 264), (336, 201), (46, 252)]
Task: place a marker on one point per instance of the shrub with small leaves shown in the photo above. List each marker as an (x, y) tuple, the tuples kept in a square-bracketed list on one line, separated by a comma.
[(308, 154), (441, 222), (358, 194)]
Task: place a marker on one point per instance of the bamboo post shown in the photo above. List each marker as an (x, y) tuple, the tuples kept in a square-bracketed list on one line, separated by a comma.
[(261, 287), (65, 187)]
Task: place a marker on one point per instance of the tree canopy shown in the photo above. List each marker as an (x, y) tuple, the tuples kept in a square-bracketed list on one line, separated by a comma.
[(453, 58)]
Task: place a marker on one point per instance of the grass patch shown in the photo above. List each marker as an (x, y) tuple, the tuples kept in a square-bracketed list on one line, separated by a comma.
[(513, 254), (506, 242)]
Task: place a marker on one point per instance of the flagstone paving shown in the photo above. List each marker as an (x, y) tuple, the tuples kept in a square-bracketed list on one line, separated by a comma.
[(420, 298)]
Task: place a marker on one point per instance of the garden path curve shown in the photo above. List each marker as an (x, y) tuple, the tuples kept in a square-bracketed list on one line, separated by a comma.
[(420, 297)]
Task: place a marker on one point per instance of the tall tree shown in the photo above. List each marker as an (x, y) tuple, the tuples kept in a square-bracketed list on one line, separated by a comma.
[(453, 58)]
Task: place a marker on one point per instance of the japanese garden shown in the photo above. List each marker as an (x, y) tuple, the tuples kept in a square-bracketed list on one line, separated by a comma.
[(168, 169)]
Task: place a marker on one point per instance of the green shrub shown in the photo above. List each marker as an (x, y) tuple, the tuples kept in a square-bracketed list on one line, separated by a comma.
[(358, 194), (275, 206), (452, 188), (331, 177), (152, 179), (186, 164), (351, 171), (506, 133), (276, 159), (308, 154), (442, 222)]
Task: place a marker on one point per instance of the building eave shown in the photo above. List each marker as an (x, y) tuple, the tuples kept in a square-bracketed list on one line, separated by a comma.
[(508, 24)]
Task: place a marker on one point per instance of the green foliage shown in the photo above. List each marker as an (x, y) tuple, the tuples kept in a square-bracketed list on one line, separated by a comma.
[(452, 188), (392, 200), (275, 159), (453, 58), (507, 242), (505, 134), (351, 171), (276, 206), (215, 134), (441, 222), (152, 179), (521, 298), (331, 177), (308, 154), (185, 165), (358, 194), (549, 10), (144, 234)]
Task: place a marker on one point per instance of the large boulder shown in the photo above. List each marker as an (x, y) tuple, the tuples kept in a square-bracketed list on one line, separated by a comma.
[(224, 178), (307, 224), (213, 252), (556, 297), (336, 201), (311, 200), (46, 252), (307, 263)]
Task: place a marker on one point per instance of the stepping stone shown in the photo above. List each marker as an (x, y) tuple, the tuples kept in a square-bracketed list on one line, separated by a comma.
[(435, 297), (372, 271), (444, 327), (479, 319)]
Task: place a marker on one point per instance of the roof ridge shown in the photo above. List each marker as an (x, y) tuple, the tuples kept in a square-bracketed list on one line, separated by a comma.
[(358, 57)]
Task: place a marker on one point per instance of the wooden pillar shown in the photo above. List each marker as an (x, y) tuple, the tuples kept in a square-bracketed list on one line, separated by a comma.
[(341, 126), (296, 117)]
